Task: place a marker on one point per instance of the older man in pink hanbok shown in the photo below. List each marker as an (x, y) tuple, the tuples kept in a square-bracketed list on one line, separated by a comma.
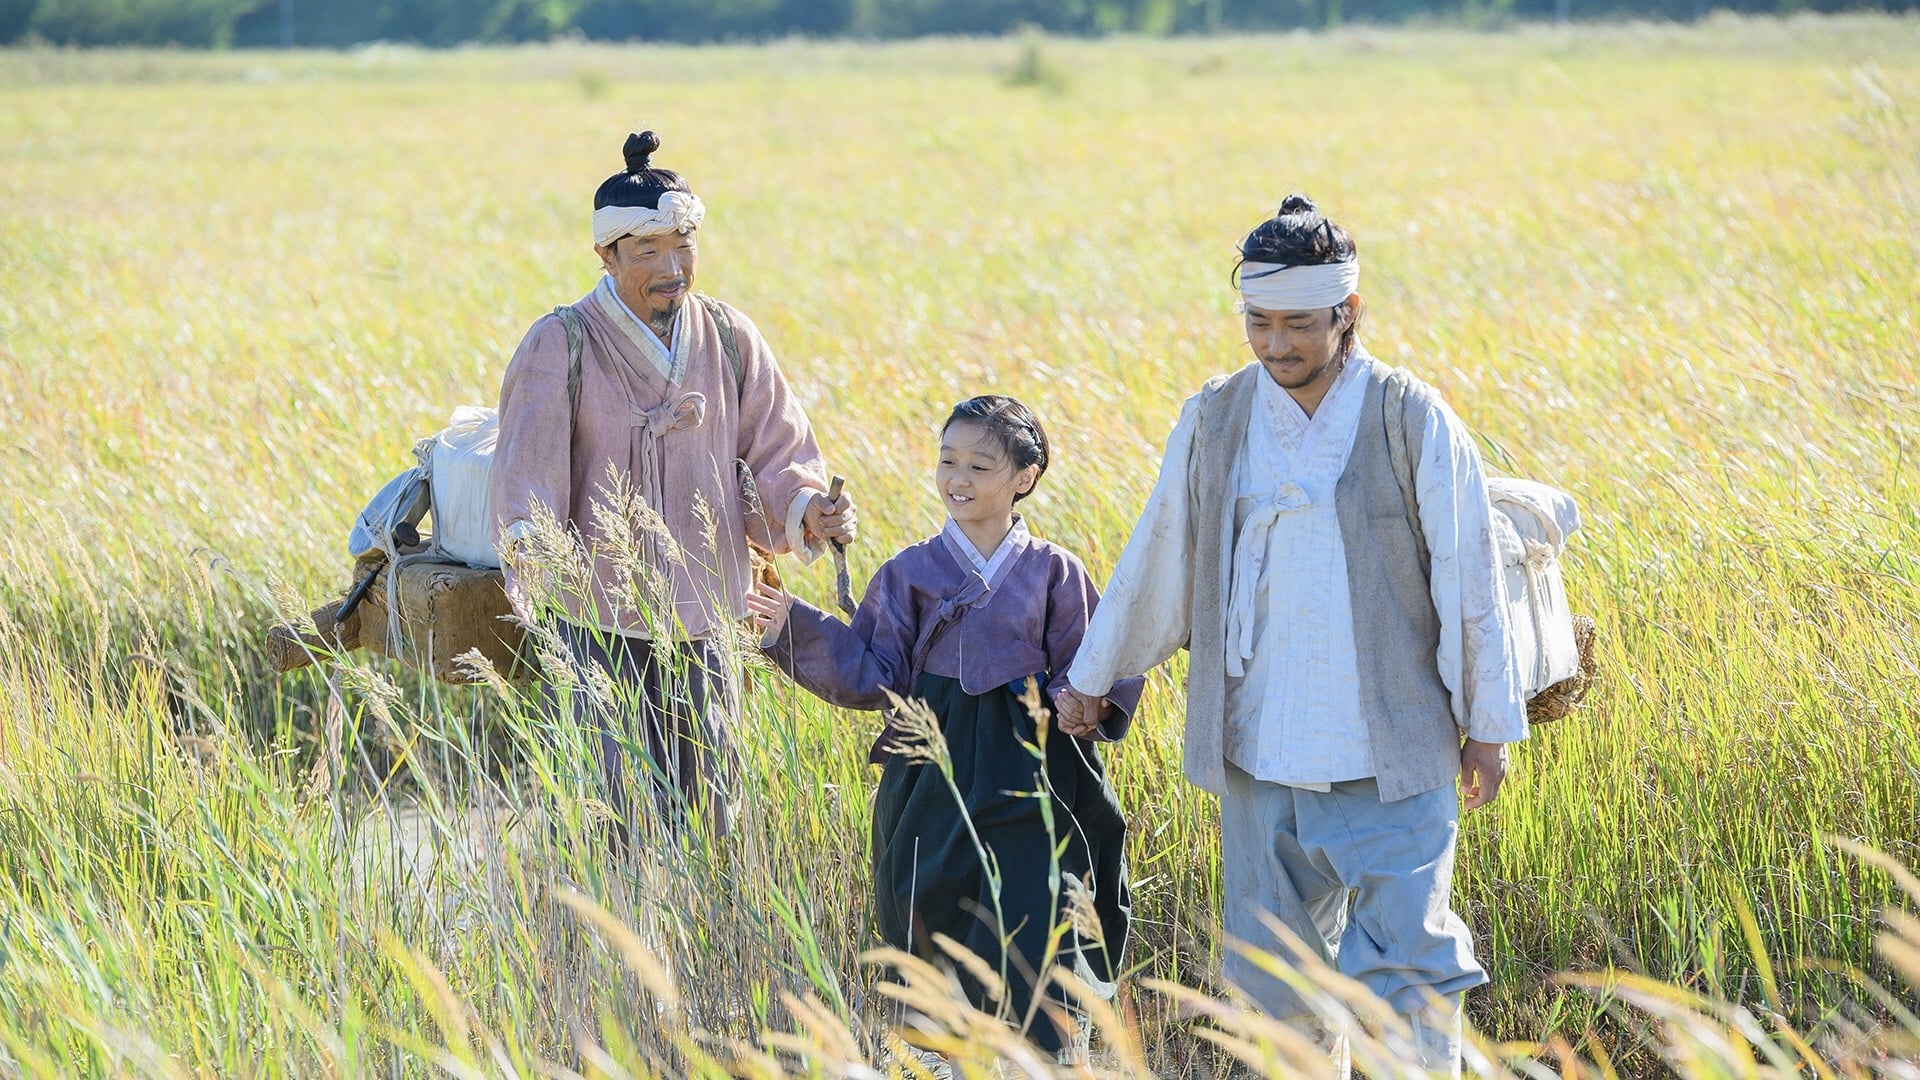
[(654, 427)]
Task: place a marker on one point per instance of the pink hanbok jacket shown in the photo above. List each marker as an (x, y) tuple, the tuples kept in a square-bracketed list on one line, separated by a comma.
[(679, 447)]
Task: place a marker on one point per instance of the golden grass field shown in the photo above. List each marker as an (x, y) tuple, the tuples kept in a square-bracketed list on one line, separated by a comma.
[(1675, 270)]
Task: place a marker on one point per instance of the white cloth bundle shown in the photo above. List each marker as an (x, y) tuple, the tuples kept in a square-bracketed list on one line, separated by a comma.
[(679, 211), (1531, 531), (1274, 287), (458, 460)]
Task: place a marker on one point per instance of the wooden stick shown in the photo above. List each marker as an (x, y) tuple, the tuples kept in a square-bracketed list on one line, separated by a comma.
[(842, 581)]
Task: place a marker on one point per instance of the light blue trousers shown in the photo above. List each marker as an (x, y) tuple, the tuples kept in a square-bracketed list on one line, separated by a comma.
[(1365, 884)]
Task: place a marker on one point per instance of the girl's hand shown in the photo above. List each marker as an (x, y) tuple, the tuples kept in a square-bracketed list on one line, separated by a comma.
[(769, 604), (1077, 714)]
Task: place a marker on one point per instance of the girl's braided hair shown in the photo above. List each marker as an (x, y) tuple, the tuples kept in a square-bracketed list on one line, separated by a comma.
[(1013, 425)]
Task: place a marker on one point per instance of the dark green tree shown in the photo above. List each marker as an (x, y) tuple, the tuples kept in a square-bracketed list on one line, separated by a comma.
[(339, 23), (15, 16), (136, 22)]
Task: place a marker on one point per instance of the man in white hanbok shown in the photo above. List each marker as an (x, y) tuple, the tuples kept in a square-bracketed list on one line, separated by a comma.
[(1343, 672)]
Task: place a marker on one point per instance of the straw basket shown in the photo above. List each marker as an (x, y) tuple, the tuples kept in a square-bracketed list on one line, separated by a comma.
[(1563, 697)]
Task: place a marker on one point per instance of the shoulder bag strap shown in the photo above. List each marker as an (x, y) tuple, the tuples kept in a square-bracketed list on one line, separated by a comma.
[(576, 341), (727, 342), (1393, 407)]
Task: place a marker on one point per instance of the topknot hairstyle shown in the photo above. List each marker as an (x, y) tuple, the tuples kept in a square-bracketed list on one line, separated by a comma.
[(1298, 234), (1013, 425), (639, 184)]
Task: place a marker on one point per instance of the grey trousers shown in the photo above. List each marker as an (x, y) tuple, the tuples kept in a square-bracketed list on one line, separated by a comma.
[(1365, 884), (665, 732)]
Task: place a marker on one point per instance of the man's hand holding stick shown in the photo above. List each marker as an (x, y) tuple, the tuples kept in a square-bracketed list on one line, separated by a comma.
[(830, 517)]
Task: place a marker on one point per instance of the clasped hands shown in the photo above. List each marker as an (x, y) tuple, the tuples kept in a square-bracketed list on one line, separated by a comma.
[(1078, 714)]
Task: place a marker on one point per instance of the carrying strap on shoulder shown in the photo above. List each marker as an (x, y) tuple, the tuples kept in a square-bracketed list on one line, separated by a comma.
[(1393, 410), (576, 342), (728, 343)]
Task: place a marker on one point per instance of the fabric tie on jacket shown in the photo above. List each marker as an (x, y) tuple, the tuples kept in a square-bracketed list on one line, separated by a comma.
[(682, 413), (1249, 560)]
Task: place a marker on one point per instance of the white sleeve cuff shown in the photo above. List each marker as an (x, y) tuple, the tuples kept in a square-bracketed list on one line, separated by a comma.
[(514, 535), (1508, 728), (797, 530), (1078, 681)]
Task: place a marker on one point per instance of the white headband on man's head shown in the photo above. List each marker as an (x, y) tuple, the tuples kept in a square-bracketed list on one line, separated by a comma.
[(680, 211), (1277, 287)]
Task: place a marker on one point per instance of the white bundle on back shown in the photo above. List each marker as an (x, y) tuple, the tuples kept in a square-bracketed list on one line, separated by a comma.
[(1552, 649), (1531, 528), (457, 460), (450, 482)]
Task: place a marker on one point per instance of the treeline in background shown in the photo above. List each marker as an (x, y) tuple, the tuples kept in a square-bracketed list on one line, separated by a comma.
[(336, 23)]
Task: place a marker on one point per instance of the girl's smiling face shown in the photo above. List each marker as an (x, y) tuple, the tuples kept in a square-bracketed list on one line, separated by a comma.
[(976, 478)]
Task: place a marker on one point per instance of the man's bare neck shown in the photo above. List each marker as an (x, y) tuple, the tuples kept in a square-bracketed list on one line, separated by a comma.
[(1310, 397)]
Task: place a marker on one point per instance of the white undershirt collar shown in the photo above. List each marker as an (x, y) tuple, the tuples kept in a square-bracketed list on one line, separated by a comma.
[(988, 567), (669, 358)]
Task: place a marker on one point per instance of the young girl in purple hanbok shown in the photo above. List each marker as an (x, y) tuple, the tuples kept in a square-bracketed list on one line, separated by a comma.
[(965, 620)]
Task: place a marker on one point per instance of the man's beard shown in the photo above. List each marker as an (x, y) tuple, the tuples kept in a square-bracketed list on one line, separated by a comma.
[(662, 324), (1333, 365)]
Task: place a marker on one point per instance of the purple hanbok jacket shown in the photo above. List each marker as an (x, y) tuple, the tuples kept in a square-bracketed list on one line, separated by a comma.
[(928, 610)]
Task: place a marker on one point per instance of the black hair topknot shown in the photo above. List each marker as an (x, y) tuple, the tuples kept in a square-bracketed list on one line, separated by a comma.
[(1295, 203), (639, 184), (639, 150), (1297, 235)]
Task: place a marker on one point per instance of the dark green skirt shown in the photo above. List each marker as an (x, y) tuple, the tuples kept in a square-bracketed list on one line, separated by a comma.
[(928, 876)]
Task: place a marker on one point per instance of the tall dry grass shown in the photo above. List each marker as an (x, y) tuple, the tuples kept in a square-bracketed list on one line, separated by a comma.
[(1671, 269)]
